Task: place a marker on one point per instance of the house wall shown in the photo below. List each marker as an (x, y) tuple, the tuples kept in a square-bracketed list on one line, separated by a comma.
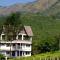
[(26, 48), (26, 53), (23, 49), (3, 52), (5, 47)]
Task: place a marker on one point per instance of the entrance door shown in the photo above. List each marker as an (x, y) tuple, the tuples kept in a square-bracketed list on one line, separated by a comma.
[(20, 53), (13, 53), (17, 53)]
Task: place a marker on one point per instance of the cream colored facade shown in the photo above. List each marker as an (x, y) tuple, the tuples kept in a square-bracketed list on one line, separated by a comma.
[(22, 46)]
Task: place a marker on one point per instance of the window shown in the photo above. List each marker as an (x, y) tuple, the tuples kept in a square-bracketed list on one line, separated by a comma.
[(7, 52), (20, 37), (26, 38), (2, 44), (18, 46), (17, 53), (23, 53), (3, 37), (7, 45), (13, 53), (23, 44), (27, 53), (27, 45), (13, 44)]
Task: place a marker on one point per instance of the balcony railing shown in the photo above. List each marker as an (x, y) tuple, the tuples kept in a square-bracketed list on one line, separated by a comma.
[(17, 41), (18, 47)]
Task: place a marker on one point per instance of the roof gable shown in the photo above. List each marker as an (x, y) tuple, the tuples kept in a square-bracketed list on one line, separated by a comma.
[(25, 30), (28, 30)]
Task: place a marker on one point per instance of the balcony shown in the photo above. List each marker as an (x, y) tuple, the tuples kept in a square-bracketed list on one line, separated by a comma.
[(16, 45)]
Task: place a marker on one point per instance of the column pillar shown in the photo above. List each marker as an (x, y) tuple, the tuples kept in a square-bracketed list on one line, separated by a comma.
[(17, 37), (1, 36), (22, 53), (19, 49), (19, 53), (16, 46), (5, 53), (30, 38), (22, 37), (16, 51), (6, 58)]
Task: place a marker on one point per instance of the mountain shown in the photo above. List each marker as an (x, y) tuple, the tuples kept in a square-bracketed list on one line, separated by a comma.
[(54, 9), (36, 6)]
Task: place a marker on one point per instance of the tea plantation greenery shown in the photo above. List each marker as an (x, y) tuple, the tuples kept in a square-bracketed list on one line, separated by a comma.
[(46, 30), (51, 55)]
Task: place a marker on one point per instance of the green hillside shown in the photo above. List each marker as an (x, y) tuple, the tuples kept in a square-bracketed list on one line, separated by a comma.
[(54, 9), (46, 30)]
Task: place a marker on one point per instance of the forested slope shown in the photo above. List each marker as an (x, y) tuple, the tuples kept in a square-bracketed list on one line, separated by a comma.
[(46, 30)]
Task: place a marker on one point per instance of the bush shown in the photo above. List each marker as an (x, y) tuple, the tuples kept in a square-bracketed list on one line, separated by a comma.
[(2, 57)]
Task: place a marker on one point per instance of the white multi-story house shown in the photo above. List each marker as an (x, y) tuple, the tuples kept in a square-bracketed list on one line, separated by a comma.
[(19, 47)]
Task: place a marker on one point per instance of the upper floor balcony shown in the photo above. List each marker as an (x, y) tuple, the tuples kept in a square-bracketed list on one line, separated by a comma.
[(22, 45)]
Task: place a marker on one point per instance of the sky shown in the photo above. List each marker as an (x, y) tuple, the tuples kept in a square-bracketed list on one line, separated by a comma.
[(10, 2)]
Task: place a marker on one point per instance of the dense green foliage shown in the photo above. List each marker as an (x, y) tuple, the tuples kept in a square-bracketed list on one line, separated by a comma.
[(46, 30), (12, 25), (1, 56)]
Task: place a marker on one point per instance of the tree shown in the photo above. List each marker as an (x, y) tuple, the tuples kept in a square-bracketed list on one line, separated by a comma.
[(57, 37), (12, 25)]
